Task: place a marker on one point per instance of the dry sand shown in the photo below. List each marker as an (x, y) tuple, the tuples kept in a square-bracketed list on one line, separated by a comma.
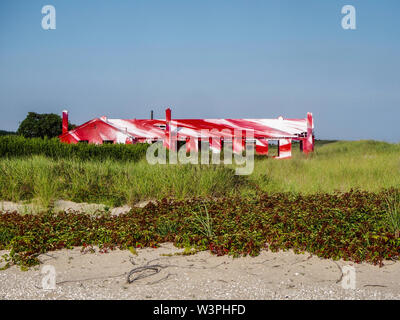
[(68, 206), (282, 275)]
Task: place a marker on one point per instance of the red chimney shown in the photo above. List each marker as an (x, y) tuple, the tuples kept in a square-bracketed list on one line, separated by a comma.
[(64, 121), (167, 139), (168, 114)]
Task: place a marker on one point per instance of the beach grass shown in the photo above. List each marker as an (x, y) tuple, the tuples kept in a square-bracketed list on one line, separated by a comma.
[(334, 166)]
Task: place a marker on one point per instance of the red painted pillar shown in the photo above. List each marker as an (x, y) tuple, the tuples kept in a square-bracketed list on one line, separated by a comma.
[(285, 149), (192, 144), (215, 144), (237, 141), (308, 145), (64, 121), (167, 140), (262, 146)]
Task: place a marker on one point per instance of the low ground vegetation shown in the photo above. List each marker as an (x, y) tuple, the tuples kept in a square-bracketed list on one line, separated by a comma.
[(351, 226)]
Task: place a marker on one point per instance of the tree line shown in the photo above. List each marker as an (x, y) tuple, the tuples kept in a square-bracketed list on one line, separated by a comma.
[(39, 125)]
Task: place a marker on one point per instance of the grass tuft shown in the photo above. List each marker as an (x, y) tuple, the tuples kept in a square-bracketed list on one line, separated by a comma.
[(392, 199)]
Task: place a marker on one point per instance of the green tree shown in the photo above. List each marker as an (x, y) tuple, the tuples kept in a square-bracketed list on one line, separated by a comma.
[(37, 125)]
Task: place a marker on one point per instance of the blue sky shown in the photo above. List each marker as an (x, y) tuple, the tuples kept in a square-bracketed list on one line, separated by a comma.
[(205, 59)]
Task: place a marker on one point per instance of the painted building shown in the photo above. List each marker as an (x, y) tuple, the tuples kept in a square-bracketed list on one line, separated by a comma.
[(194, 131)]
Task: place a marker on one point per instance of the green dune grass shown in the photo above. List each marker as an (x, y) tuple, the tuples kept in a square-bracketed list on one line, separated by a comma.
[(335, 166)]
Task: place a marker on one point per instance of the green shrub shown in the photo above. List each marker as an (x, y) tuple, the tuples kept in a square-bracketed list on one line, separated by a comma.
[(18, 146)]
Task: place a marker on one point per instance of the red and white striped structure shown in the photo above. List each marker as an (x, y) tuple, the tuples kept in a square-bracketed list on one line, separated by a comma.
[(192, 131)]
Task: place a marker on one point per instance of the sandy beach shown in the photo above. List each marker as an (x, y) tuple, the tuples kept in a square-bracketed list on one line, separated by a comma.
[(282, 275)]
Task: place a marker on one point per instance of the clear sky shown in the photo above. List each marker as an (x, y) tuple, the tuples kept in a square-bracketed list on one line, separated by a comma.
[(205, 59)]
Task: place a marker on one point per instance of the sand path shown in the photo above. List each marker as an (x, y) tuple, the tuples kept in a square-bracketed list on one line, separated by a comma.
[(282, 275)]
